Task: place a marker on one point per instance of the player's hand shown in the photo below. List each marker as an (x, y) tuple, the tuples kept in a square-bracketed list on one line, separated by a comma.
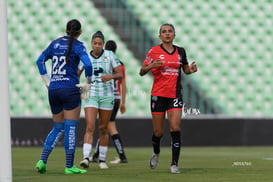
[(122, 108), (193, 67), (85, 90), (156, 63), (106, 78)]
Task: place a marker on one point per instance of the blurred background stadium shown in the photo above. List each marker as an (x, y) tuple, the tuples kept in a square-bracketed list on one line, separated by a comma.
[(231, 42)]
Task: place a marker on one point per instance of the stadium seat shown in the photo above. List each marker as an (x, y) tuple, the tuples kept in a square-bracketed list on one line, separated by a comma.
[(229, 37), (230, 41), (31, 27)]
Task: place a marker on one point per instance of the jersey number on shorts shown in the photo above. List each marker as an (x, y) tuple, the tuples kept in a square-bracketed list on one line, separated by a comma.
[(58, 65), (177, 103)]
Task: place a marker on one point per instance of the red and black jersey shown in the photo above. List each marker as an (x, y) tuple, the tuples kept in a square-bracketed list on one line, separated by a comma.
[(117, 83), (167, 77)]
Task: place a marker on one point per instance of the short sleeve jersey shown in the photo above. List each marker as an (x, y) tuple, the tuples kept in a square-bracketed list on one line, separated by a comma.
[(102, 65), (117, 83), (64, 75), (167, 77)]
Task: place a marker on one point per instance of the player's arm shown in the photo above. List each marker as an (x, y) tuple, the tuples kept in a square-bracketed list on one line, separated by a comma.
[(117, 75), (188, 69), (146, 68), (40, 62), (123, 93)]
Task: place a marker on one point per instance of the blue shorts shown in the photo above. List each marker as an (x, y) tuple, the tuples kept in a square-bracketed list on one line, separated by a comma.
[(64, 99)]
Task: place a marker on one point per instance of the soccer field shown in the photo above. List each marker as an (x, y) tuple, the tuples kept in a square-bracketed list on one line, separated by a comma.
[(197, 164)]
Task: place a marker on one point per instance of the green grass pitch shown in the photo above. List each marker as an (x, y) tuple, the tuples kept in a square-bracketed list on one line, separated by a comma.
[(197, 164)]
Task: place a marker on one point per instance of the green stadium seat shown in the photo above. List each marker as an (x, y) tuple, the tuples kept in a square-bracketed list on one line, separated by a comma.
[(31, 27), (228, 46)]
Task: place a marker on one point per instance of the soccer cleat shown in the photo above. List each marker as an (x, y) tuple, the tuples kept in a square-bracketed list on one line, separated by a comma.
[(118, 160), (103, 165), (154, 161), (85, 163), (41, 167), (174, 169), (74, 170)]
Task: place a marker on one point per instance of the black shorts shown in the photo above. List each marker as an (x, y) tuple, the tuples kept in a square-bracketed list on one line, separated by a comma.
[(115, 110), (64, 99), (160, 105)]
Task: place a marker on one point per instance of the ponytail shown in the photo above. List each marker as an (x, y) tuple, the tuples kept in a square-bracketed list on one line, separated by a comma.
[(73, 28), (70, 41)]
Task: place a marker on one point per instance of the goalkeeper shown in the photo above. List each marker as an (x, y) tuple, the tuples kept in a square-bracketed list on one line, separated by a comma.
[(64, 93)]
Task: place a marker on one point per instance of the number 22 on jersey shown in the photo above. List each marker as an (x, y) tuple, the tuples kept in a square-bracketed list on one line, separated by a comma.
[(58, 65)]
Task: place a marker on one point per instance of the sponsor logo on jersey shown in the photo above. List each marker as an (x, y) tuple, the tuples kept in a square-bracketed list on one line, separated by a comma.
[(168, 71), (59, 46)]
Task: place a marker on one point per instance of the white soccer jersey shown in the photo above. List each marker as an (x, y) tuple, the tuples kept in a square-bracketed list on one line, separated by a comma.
[(102, 65)]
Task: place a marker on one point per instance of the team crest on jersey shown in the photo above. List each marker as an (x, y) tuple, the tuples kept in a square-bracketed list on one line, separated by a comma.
[(105, 59)]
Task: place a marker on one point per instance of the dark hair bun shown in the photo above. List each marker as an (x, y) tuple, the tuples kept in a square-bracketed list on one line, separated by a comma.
[(111, 45), (98, 34)]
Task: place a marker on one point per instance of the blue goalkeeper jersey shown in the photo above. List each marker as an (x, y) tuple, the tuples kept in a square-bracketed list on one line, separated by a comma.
[(64, 75)]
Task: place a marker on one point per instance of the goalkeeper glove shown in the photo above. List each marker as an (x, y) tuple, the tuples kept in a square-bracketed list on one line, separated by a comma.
[(85, 89)]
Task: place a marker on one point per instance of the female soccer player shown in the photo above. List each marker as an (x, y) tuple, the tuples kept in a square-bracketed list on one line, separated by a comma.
[(165, 61), (106, 68), (64, 96), (120, 96)]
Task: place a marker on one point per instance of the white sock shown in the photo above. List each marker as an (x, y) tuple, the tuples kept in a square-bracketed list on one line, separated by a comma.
[(86, 150), (103, 152)]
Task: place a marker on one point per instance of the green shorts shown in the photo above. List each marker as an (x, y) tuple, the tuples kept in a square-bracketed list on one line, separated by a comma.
[(100, 102)]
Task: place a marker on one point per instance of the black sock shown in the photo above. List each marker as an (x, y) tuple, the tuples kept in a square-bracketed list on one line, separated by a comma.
[(96, 154), (156, 143), (119, 146), (176, 146)]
